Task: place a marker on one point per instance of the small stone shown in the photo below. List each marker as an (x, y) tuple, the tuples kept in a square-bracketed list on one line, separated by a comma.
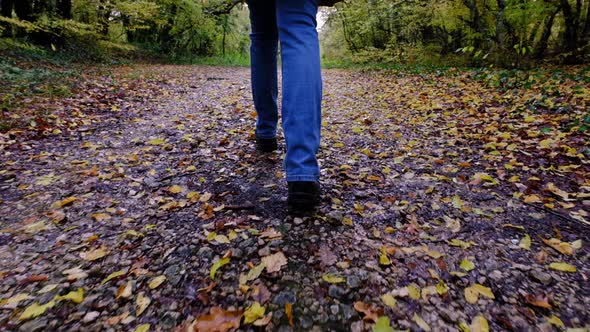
[(542, 277), (298, 221), (205, 252), (284, 297), (496, 275), (90, 317), (357, 326), (337, 292), (264, 251), (305, 322), (334, 309), (34, 325), (353, 281)]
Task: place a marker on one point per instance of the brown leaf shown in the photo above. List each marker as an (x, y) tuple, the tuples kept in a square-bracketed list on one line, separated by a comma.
[(371, 313), (34, 278), (274, 262), (563, 247), (327, 256), (289, 313), (539, 300), (218, 320)]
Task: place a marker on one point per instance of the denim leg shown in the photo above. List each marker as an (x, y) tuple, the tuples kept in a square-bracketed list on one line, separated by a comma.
[(263, 53), (302, 87)]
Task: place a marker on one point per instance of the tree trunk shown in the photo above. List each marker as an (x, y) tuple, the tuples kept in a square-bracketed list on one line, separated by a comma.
[(475, 22), (500, 28), (104, 13), (24, 9), (64, 9), (586, 31), (571, 28), (6, 8), (543, 42)]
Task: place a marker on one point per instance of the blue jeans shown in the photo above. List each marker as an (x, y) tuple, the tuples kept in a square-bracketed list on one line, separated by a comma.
[(293, 22)]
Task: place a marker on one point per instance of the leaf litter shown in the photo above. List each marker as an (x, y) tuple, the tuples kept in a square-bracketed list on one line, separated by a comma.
[(439, 190)]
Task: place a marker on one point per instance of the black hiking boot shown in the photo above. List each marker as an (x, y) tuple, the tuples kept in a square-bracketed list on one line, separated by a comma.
[(304, 196), (266, 144)]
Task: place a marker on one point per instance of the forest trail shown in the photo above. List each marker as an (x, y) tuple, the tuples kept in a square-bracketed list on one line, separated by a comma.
[(140, 202)]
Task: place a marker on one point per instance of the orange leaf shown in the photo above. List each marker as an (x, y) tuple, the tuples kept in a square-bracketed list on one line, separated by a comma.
[(289, 313), (371, 313), (538, 301), (218, 320)]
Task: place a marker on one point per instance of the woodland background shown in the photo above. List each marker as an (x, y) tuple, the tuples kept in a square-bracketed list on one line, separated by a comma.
[(506, 33)]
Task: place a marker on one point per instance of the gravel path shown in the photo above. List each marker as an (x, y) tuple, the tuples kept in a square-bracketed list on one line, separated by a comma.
[(441, 211)]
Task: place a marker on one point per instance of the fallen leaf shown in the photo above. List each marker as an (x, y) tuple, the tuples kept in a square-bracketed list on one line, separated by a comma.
[(76, 296), (421, 322), (332, 279), (460, 243), (289, 313), (253, 274), (113, 276), (388, 300), (156, 141), (100, 217), (264, 320), (64, 202), (467, 265), (538, 300), (563, 247), (36, 310), (525, 242), (473, 292), (216, 267), (383, 325), (253, 312), (75, 273), (274, 262), (413, 291), (218, 320), (176, 189), (479, 324), (141, 303), (13, 302), (371, 313), (143, 328), (156, 282), (95, 254), (555, 321), (124, 291), (563, 267)]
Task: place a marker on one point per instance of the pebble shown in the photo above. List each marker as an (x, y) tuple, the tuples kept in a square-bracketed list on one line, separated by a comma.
[(264, 251), (496, 275), (540, 276), (285, 297), (353, 281), (337, 292), (298, 221), (334, 309), (90, 317)]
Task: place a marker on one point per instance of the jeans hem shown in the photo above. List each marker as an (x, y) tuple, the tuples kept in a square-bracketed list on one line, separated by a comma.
[(303, 178)]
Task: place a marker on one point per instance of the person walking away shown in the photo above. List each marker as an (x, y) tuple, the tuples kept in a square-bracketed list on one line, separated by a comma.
[(293, 24)]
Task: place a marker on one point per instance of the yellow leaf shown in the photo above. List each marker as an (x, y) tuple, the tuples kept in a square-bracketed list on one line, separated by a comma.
[(577, 244), (253, 274), (36, 310), (332, 279), (563, 267), (479, 324), (124, 291), (35, 227), (472, 293), (555, 321), (274, 262), (563, 247), (112, 276), (142, 328), (222, 239), (76, 296), (460, 243), (388, 300), (389, 230), (13, 301), (216, 266), (100, 216), (253, 312), (65, 202), (175, 189), (441, 288), (413, 291), (384, 260), (514, 226), (467, 265), (525, 242), (532, 199), (142, 302), (156, 141), (95, 254), (156, 282), (420, 322)]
